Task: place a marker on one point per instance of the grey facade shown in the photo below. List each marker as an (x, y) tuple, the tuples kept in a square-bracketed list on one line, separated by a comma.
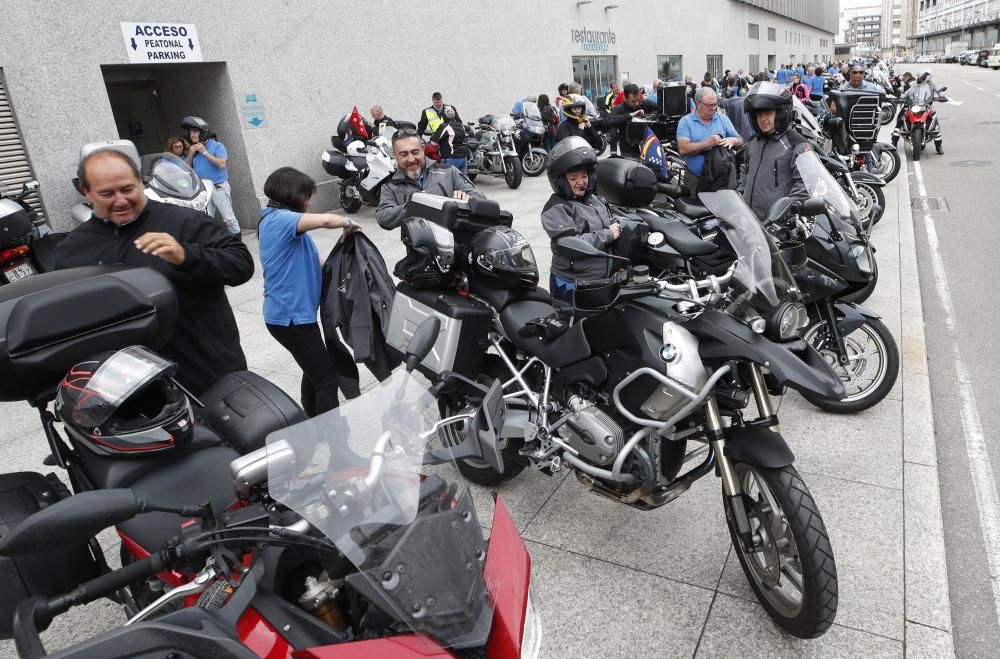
[(305, 64), (973, 22)]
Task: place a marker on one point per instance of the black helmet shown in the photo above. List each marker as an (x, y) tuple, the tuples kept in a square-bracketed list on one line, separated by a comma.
[(430, 255), (765, 96), (196, 123), (567, 155), (502, 258), (125, 404)]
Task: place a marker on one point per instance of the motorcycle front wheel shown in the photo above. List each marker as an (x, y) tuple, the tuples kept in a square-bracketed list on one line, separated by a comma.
[(533, 163), (868, 197), (350, 198), (513, 174), (791, 570), (917, 141), (871, 369)]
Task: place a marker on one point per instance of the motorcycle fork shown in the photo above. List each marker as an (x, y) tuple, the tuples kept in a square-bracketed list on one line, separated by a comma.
[(732, 492), (827, 311)]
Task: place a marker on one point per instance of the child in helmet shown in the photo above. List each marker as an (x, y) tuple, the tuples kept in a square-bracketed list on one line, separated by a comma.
[(575, 210), (577, 122)]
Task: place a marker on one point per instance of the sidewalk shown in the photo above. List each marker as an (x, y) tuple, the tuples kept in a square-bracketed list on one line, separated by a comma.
[(612, 581)]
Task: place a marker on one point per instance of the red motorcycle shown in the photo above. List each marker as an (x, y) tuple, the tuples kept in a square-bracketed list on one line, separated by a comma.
[(349, 534), (921, 126)]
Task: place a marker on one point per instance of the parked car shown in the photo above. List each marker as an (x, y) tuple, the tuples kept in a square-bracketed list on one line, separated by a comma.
[(993, 61), (982, 56), (966, 57)]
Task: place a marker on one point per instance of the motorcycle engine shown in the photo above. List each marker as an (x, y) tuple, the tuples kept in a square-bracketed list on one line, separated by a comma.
[(593, 433), (683, 365)]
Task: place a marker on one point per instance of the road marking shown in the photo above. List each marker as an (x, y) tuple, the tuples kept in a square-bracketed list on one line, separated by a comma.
[(983, 481), (952, 101)]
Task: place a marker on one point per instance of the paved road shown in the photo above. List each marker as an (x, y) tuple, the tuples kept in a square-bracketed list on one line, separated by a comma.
[(967, 237)]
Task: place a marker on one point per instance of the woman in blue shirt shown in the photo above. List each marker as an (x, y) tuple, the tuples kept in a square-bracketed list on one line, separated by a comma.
[(293, 279), (816, 85)]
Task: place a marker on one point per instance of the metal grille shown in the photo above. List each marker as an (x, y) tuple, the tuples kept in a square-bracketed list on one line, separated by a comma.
[(864, 121), (14, 167)]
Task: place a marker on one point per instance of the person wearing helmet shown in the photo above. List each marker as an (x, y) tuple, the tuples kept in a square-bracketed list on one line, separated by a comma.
[(450, 138), (196, 254), (769, 171), (575, 210), (208, 157), (577, 123), (416, 174), (923, 90)]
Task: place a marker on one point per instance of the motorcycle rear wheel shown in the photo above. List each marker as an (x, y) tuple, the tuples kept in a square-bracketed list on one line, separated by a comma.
[(350, 203), (870, 344), (532, 163), (917, 141), (792, 573), (513, 174), (887, 166), (888, 113)]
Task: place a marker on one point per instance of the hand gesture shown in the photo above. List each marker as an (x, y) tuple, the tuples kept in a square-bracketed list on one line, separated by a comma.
[(162, 245), (616, 231)]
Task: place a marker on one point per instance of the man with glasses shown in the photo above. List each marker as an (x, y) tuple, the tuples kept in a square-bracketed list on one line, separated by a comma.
[(856, 82), (702, 130), (414, 174)]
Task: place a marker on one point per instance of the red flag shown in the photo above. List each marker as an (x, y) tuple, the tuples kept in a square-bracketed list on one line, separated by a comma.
[(358, 123)]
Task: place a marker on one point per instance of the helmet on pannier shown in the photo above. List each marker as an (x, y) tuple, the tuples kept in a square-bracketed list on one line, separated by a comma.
[(125, 404), (502, 258)]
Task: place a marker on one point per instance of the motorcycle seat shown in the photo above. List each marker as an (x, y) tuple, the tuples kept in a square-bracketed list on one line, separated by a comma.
[(678, 236), (189, 480), (567, 348), (692, 210)]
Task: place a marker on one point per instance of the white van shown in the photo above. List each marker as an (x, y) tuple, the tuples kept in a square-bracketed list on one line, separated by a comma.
[(993, 61)]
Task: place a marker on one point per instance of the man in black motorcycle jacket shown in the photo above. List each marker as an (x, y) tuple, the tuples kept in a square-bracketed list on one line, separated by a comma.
[(199, 256), (769, 171), (633, 106), (416, 175)]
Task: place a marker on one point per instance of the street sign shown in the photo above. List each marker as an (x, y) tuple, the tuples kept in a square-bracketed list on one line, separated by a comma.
[(161, 43)]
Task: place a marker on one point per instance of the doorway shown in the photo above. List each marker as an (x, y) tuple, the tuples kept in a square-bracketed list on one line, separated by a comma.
[(149, 101), (594, 74)]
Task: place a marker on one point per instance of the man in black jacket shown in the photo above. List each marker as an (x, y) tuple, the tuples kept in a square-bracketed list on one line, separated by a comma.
[(633, 107), (199, 256)]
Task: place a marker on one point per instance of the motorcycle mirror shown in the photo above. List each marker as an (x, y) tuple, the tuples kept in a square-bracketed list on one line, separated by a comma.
[(81, 213), (422, 342), (779, 210), (812, 207), (70, 521), (578, 247), (29, 186), (76, 185)]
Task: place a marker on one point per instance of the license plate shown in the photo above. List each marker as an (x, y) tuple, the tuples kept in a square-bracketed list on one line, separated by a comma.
[(19, 271)]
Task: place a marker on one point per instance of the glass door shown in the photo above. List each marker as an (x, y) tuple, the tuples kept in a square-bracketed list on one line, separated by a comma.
[(594, 74)]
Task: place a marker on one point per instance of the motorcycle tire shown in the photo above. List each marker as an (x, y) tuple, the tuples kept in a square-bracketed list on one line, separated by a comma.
[(888, 165), (778, 501), (917, 140), (513, 174), (884, 346), (868, 197), (478, 471), (532, 163), (888, 114), (349, 203), (604, 145)]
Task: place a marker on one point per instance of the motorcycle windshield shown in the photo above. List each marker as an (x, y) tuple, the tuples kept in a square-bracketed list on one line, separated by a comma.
[(356, 474), (505, 122), (168, 174), (821, 184), (805, 116), (530, 111), (761, 272)]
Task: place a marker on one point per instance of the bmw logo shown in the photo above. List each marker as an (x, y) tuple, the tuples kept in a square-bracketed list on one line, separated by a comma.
[(669, 353)]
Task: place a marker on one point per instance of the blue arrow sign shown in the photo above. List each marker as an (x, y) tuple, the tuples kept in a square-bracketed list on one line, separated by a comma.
[(256, 121)]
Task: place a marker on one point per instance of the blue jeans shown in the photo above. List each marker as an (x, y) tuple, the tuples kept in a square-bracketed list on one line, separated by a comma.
[(461, 164)]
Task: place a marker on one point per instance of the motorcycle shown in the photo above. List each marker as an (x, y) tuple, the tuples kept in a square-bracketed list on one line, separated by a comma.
[(532, 134), (493, 150), (853, 132), (25, 250), (285, 544), (362, 170), (647, 366), (920, 124)]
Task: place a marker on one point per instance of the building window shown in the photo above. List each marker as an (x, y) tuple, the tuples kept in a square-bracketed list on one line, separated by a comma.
[(714, 65), (754, 63), (668, 67), (753, 31), (772, 34)]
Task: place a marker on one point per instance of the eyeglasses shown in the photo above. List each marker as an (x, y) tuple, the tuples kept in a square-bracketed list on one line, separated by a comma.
[(710, 106)]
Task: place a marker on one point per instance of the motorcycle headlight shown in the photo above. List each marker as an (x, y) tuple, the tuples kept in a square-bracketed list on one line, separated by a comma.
[(860, 255), (531, 635), (787, 320), (537, 130), (916, 108)]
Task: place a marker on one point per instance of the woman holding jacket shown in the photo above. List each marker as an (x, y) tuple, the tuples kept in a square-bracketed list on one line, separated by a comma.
[(293, 281)]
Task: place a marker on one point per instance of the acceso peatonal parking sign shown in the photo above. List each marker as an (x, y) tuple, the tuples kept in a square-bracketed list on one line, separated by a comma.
[(161, 43)]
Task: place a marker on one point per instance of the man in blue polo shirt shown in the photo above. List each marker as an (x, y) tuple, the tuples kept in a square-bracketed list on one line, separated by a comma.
[(208, 157), (701, 130)]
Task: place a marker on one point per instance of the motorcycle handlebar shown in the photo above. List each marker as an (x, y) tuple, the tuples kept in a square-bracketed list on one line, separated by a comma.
[(712, 282)]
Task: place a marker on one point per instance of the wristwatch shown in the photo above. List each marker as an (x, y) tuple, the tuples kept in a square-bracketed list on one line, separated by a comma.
[(350, 223)]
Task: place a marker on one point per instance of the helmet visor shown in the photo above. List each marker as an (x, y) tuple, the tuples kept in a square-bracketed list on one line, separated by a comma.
[(120, 376), (517, 258)]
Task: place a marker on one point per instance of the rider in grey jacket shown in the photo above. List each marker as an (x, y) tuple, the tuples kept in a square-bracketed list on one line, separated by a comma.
[(415, 175), (769, 171)]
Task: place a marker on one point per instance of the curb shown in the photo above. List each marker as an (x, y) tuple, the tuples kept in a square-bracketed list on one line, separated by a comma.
[(927, 603)]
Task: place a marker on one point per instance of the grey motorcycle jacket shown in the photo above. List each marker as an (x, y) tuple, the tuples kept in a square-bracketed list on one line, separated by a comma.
[(589, 219), (439, 179), (768, 172)]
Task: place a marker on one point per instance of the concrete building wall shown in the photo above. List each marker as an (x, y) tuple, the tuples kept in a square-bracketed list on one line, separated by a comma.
[(309, 62)]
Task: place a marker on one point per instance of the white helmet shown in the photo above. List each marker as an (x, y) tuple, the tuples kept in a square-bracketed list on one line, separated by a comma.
[(925, 75), (357, 148)]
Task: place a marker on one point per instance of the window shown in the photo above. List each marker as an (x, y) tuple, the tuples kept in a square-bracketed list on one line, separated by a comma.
[(714, 65), (668, 67), (772, 34), (772, 62), (753, 31), (754, 63)]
